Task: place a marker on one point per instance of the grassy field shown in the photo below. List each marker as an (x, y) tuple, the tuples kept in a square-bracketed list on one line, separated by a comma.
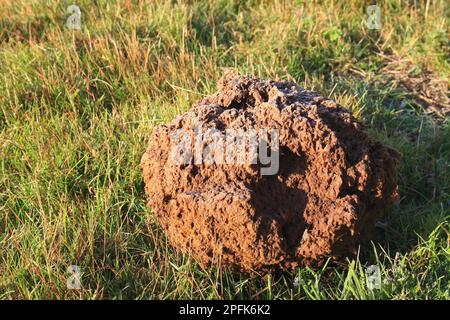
[(77, 107)]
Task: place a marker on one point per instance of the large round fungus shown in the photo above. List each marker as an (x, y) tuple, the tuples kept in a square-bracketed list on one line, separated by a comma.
[(330, 182)]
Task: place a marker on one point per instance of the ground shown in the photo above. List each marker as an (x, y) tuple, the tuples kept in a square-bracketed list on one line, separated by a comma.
[(77, 107)]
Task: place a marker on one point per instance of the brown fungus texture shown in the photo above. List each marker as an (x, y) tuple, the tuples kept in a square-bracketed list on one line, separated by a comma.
[(332, 182)]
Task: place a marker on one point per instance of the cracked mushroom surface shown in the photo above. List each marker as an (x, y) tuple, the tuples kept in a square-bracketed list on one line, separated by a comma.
[(332, 183)]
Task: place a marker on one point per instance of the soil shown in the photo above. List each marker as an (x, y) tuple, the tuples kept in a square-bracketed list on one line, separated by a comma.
[(332, 183)]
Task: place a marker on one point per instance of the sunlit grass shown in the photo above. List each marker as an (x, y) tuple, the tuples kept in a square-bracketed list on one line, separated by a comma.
[(77, 107)]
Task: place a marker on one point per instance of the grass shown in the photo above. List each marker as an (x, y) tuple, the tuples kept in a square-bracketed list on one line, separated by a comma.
[(76, 108)]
